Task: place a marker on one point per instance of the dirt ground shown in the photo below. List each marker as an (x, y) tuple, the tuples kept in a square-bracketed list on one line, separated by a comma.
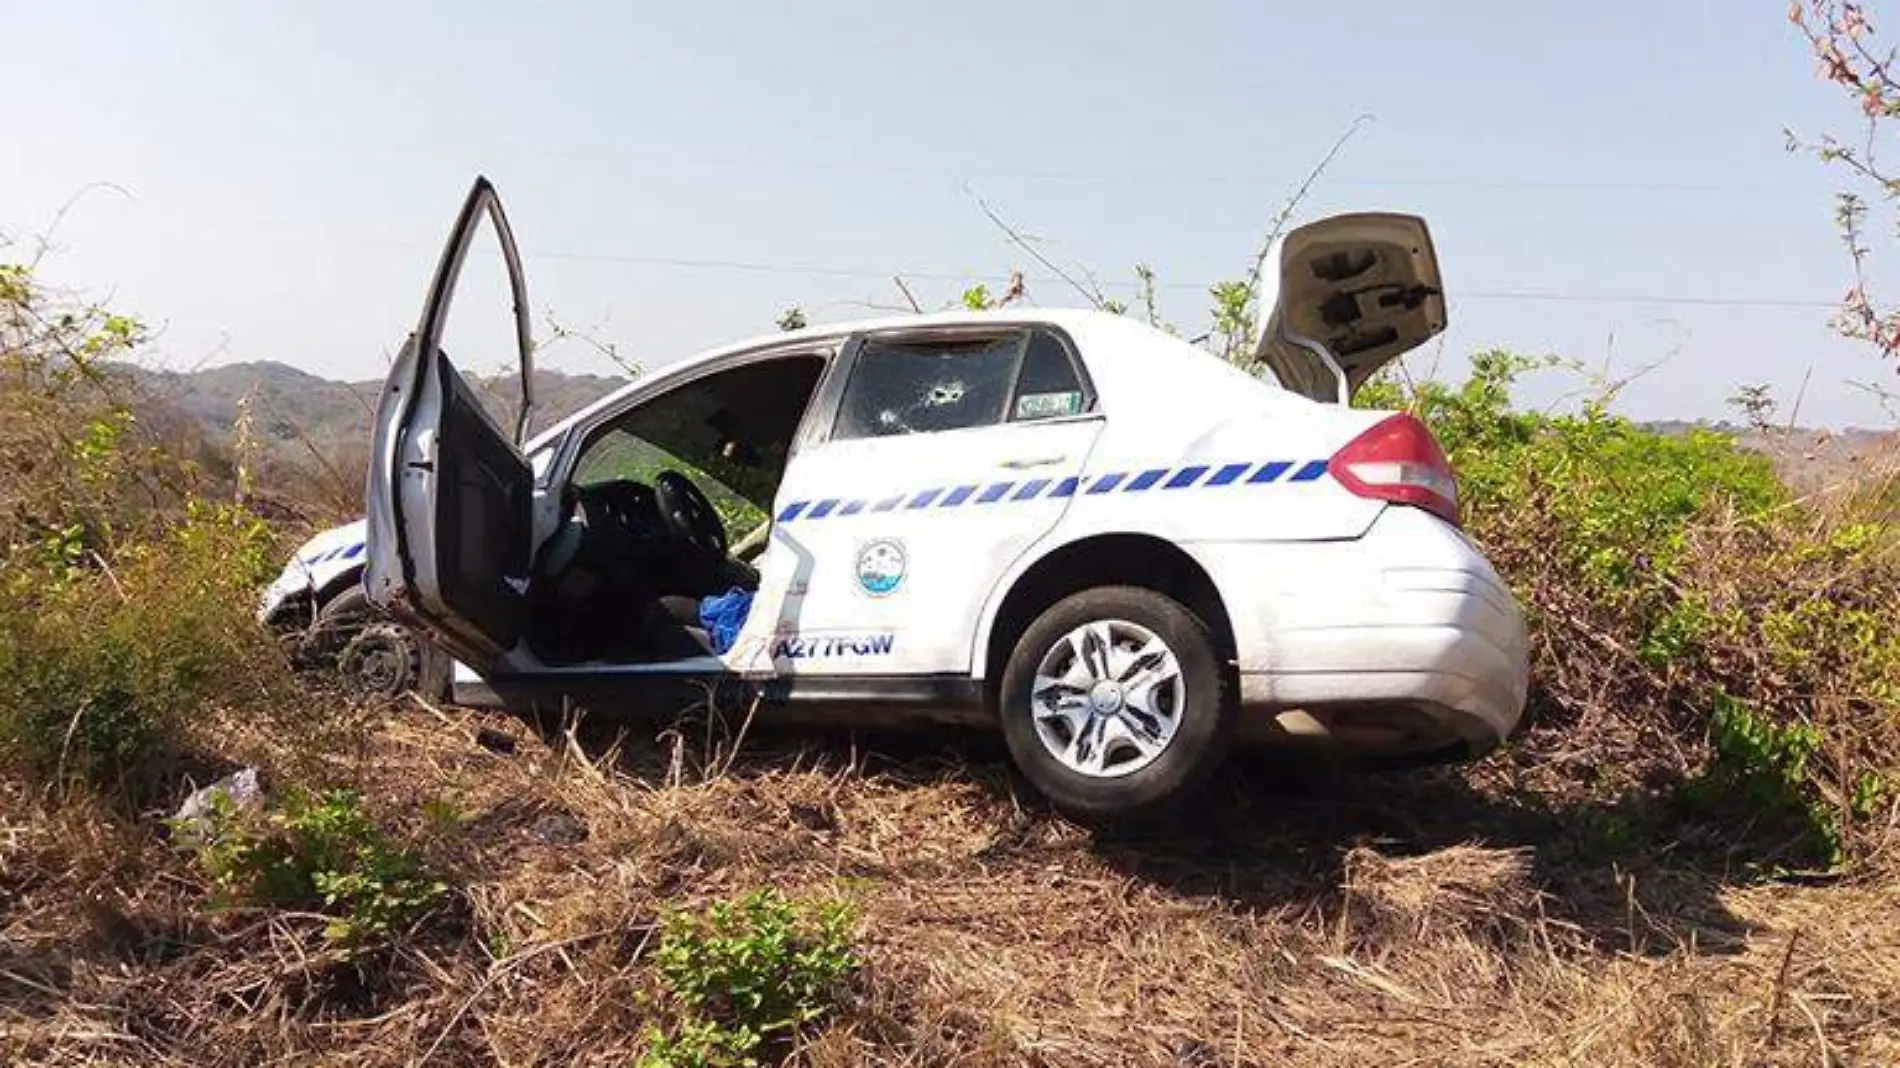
[(1300, 917)]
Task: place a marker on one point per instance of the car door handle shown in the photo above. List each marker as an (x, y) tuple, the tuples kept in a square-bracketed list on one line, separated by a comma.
[(1040, 461)]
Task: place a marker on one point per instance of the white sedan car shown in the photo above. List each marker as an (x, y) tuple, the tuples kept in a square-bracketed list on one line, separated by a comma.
[(1121, 549)]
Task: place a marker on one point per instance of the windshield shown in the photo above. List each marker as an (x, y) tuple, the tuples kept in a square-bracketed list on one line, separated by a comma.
[(623, 454)]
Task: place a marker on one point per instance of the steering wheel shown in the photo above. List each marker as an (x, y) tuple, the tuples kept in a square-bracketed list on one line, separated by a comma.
[(689, 516)]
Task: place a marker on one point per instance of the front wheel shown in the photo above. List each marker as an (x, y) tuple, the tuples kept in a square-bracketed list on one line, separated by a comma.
[(1114, 704), (373, 656)]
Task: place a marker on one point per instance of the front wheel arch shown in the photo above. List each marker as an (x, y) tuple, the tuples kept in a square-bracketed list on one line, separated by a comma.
[(344, 604), (339, 584)]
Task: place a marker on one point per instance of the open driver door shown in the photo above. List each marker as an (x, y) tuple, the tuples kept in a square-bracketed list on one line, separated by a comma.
[(449, 497)]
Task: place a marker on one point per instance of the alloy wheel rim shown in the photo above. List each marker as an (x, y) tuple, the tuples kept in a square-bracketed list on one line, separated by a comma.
[(1107, 698)]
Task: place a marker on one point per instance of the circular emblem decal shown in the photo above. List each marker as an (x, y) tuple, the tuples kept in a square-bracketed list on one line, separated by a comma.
[(881, 565)]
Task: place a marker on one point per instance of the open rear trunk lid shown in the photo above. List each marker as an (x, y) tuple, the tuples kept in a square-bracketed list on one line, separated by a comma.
[(1358, 290)]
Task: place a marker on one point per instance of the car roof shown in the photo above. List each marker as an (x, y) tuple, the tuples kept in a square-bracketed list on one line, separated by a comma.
[(1122, 355)]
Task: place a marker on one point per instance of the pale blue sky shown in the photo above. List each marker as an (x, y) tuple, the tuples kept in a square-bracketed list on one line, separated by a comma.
[(291, 172)]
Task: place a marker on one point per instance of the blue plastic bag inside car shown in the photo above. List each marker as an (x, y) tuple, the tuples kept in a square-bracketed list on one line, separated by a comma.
[(723, 615)]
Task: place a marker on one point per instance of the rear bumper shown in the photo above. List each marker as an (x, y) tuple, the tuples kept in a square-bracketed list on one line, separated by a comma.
[(1426, 688), (1403, 641)]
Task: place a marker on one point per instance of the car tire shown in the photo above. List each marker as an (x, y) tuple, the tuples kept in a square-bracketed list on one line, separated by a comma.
[(353, 638), (1133, 751), (337, 622)]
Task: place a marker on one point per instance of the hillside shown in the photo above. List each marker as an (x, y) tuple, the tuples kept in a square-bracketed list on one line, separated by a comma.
[(297, 414), (1806, 458), (294, 410), (307, 434)]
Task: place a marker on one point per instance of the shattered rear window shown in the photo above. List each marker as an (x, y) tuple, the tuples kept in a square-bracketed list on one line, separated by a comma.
[(920, 387)]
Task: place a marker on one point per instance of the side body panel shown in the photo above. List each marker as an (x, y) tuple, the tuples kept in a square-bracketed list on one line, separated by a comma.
[(1196, 451), (890, 546)]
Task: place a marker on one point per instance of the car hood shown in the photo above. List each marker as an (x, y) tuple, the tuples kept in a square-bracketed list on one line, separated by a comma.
[(315, 565), (331, 543)]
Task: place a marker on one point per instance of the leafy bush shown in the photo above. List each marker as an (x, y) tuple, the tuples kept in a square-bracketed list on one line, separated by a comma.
[(749, 973), (1761, 767), (318, 851), (106, 662), (1690, 618), (126, 596), (82, 460)]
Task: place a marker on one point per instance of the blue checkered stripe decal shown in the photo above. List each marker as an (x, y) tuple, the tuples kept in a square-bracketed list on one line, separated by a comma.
[(1154, 479), (344, 552)]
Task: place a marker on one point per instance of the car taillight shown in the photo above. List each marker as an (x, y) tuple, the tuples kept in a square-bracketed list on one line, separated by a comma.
[(1398, 460)]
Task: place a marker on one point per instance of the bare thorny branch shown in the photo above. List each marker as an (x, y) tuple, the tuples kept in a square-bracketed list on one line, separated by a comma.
[(1277, 226), (1840, 35), (43, 244), (558, 333), (1236, 304), (1016, 237)]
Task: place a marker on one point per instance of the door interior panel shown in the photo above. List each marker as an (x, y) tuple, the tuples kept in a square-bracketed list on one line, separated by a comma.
[(483, 517)]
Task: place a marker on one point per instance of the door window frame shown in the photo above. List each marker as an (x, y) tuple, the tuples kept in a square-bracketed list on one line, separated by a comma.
[(574, 443), (848, 357)]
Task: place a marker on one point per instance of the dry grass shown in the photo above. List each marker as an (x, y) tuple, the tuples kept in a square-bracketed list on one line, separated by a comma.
[(1423, 919)]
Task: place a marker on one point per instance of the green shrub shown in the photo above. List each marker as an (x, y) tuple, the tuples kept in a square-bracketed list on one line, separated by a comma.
[(1759, 770), (77, 463), (126, 598), (107, 661), (318, 851), (1686, 611), (700, 1043), (749, 973)]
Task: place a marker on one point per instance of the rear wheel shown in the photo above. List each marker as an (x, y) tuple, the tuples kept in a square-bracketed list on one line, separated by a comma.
[(1114, 704)]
